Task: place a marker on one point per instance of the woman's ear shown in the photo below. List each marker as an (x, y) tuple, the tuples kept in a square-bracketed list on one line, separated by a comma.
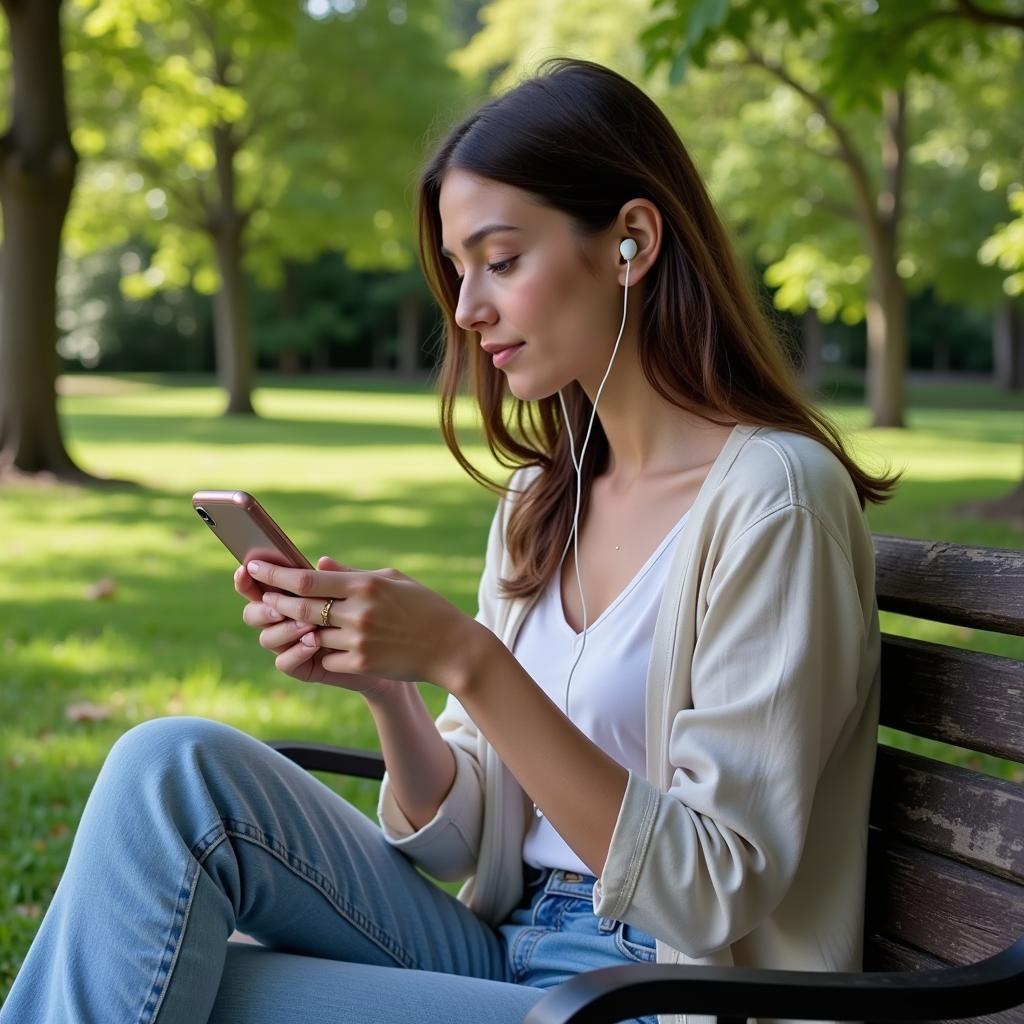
[(640, 220)]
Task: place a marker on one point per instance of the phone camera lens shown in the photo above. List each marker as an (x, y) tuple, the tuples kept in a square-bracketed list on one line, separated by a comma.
[(204, 515)]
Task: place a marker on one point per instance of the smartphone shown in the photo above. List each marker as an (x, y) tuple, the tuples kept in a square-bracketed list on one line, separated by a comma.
[(245, 528)]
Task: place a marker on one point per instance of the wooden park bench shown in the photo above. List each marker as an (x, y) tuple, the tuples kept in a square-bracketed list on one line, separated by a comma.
[(944, 914)]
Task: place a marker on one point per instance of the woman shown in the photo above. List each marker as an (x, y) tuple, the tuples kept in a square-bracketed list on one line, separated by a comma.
[(657, 747)]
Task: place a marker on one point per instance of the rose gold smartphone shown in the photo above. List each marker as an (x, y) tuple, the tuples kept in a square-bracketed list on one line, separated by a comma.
[(245, 528)]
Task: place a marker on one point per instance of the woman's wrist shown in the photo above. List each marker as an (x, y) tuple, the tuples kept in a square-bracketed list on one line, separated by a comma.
[(472, 650), (384, 693)]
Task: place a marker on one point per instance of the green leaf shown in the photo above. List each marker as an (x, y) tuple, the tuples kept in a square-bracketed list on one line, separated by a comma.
[(678, 69)]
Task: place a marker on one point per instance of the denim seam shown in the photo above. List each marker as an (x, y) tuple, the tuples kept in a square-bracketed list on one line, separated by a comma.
[(623, 945), (158, 990), (245, 830), (519, 957)]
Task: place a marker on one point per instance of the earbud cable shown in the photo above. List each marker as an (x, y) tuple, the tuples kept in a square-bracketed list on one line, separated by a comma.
[(574, 536)]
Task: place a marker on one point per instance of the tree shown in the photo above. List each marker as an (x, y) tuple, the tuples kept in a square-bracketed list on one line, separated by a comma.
[(771, 161), (265, 133), (37, 173), (237, 159), (835, 82), (944, 27), (1005, 247), (792, 201)]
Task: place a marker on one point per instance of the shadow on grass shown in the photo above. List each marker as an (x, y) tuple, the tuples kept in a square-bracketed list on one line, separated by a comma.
[(104, 382), (331, 431)]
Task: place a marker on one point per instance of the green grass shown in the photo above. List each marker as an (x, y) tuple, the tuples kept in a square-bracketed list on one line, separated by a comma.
[(354, 468)]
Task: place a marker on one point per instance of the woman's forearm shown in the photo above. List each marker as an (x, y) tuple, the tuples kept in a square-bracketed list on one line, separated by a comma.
[(420, 765)]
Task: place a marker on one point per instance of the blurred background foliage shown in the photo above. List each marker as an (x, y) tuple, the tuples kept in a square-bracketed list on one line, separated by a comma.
[(327, 108)]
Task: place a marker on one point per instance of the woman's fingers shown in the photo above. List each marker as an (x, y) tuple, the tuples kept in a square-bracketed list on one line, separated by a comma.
[(289, 660), (246, 585), (275, 629), (285, 633), (303, 610), (257, 614), (325, 562)]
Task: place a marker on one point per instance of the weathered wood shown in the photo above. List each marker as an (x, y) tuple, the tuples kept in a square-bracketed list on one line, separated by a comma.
[(940, 906), (885, 954), (968, 586), (952, 811), (961, 697), (882, 954)]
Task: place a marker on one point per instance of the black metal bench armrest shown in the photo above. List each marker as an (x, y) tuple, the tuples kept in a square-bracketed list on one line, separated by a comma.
[(316, 757), (613, 994)]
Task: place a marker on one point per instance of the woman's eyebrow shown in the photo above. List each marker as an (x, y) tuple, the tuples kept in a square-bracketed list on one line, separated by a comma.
[(478, 236)]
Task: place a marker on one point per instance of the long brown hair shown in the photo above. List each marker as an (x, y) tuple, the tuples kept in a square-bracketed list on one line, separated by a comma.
[(584, 140)]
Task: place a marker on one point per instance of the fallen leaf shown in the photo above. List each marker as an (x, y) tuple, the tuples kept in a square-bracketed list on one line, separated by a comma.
[(86, 711), (101, 589)]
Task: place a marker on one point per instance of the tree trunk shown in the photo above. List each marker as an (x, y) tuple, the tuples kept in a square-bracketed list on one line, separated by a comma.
[(288, 357), (1010, 507), (1008, 346), (233, 340), (380, 359), (887, 347), (887, 303), (321, 358), (408, 335), (288, 361), (812, 334), (37, 175)]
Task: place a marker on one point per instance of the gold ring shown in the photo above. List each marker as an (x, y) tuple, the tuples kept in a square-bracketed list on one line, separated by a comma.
[(326, 611)]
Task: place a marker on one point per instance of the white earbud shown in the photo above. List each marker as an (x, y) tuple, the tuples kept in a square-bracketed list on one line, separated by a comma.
[(627, 249)]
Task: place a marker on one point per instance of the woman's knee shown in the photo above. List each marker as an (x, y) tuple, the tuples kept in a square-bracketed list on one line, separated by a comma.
[(174, 744)]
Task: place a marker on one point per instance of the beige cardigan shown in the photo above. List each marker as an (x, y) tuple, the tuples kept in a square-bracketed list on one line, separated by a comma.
[(745, 843)]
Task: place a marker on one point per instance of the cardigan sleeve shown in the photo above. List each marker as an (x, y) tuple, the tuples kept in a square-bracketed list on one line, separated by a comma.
[(448, 845), (775, 676)]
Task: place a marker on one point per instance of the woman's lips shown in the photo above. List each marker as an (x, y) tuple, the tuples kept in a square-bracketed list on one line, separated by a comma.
[(501, 358)]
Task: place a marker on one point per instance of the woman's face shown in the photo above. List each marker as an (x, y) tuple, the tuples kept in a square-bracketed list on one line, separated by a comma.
[(526, 285)]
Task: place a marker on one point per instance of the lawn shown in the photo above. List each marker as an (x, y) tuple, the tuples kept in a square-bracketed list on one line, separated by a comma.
[(116, 606)]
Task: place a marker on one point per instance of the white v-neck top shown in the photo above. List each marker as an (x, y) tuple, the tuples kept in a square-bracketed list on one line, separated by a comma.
[(606, 697)]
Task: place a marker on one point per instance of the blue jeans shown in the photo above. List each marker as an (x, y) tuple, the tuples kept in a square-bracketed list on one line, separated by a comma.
[(194, 829)]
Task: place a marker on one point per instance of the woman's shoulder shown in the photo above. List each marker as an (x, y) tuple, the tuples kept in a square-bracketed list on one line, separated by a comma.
[(775, 470)]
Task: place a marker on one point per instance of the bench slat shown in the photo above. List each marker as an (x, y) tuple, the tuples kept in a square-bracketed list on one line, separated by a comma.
[(961, 697), (885, 954), (952, 811), (967, 586), (882, 954), (938, 905)]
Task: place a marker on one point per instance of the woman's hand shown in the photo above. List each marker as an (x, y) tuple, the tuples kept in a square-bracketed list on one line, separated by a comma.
[(282, 636), (381, 624)]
